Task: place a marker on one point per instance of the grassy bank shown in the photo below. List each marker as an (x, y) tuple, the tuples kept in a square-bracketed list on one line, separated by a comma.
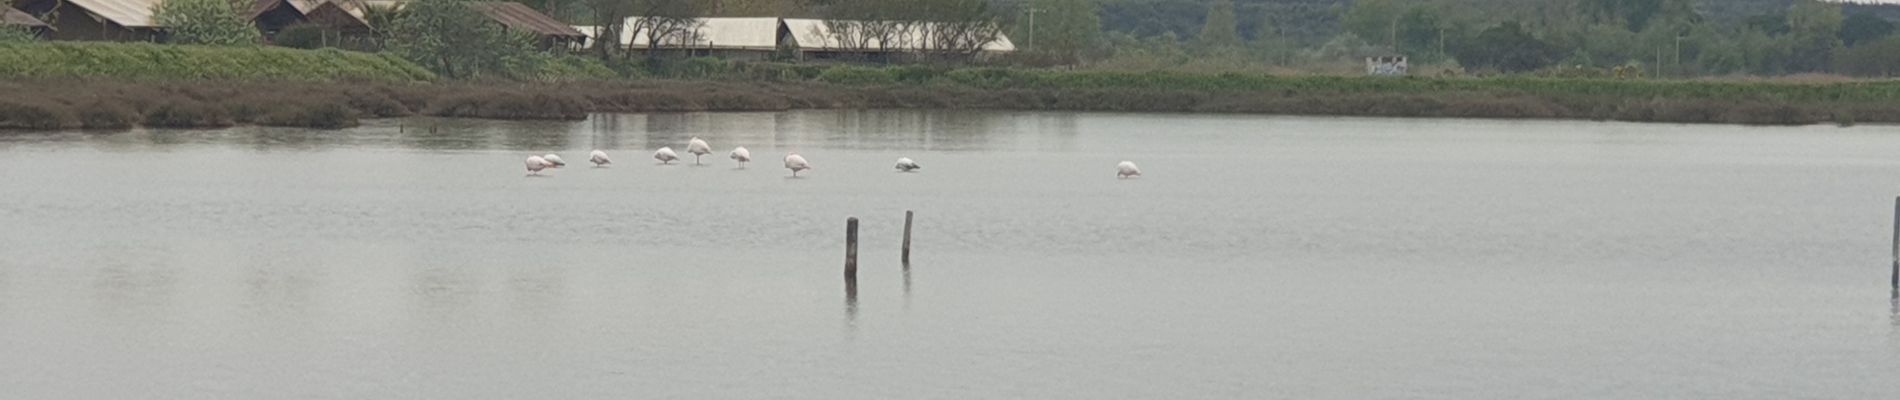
[(146, 61), (113, 86)]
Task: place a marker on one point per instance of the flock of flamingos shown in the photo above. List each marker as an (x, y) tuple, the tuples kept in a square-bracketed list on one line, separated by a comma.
[(699, 148)]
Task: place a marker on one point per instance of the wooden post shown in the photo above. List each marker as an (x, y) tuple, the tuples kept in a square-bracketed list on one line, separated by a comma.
[(909, 214), (851, 251)]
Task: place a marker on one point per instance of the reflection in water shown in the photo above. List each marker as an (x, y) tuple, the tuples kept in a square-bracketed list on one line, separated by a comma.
[(123, 288), (851, 301), (907, 285), (924, 130), (442, 293)]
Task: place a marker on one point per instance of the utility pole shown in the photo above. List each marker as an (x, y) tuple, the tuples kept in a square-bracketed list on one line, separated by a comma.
[(1678, 55), (1032, 27)]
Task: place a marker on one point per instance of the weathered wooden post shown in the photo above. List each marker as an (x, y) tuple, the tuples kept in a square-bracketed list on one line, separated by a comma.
[(908, 214), (851, 251)]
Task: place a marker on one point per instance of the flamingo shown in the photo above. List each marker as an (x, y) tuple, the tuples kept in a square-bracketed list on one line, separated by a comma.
[(741, 154), (796, 163), (599, 158), (1128, 169), (554, 160), (906, 165), (698, 148), (536, 164), (666, 155)]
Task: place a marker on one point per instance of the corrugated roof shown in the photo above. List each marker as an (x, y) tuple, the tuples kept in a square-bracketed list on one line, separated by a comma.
[(812, 34), (519, 17), (10, 16), (719, 33), (353, 7), (126, 13)]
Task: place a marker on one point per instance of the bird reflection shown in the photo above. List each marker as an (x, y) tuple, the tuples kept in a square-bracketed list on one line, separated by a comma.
[(1893, 308), (851, 301)]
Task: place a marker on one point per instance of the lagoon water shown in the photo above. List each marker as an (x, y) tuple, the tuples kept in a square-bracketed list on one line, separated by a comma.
[(1261, 257)]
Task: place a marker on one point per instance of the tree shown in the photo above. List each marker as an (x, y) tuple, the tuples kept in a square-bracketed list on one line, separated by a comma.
[(1064, 28), (1879, 58), (752, 8), (871, 24), (454, 40), (1505, 47), (1375, 21), (1637, 15), (209, 22), (1775, 24), (1219, 29), (610, 20), (1864, 27), (1420, 32), (957, 28), (666, 21), (1815, 28)]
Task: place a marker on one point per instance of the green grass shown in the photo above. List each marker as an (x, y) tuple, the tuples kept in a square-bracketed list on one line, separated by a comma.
[(146, 61)]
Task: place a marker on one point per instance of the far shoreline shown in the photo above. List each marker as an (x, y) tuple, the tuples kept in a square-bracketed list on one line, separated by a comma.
[(58, 104)]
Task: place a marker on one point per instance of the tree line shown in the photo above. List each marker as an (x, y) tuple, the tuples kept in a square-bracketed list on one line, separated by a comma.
[(1675, 38)]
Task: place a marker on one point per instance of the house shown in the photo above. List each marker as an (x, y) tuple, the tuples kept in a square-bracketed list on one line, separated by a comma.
[(343, 18), (16, 18), (118, 20), (518, 17)]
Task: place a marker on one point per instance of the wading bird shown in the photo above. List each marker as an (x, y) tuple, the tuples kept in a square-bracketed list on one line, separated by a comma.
[(599, 158), (741, 155), (698, 148), (536, 164), (1128, 169), (555, 160), (796, 163), (906, 165), (666, 155)]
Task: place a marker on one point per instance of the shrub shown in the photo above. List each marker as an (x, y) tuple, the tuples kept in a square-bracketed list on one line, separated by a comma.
[(16, 33), (188, 114), (510, 105), (300, 36), (211, 22), (855, 75), (28, 113), (324, 115), (376, 104), (106, 115)]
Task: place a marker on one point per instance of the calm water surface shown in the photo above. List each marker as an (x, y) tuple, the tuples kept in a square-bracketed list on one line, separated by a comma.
[(1261, 257)]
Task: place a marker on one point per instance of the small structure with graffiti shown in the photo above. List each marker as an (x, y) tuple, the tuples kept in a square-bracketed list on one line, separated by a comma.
[(1389, 65)]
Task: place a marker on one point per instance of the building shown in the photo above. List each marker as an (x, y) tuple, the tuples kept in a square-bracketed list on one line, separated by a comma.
[(892, 41), (729, 38), (1388, 65), (117, 20), (342, 19), (798, 38), (517, 17), (15, 18)]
